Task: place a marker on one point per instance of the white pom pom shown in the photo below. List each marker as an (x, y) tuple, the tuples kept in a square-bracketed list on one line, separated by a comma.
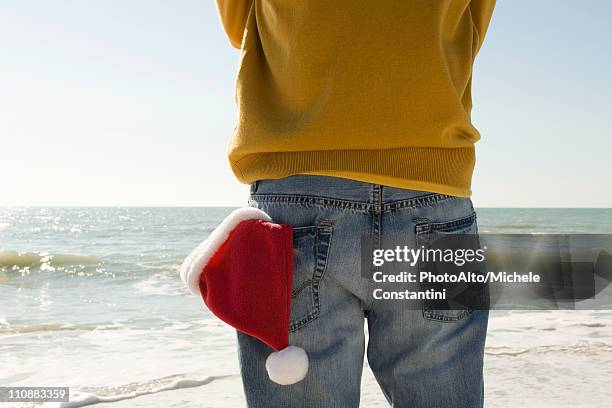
[(287, 366)]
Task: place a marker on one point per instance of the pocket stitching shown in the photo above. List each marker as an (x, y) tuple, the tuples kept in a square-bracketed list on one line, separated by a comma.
[(323, 233), (425, 227)]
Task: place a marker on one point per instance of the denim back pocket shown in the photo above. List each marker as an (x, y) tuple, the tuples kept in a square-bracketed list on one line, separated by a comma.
[(310, 249), (445, 236)]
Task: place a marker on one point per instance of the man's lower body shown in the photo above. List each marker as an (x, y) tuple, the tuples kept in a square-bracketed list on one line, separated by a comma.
[(421, 358)]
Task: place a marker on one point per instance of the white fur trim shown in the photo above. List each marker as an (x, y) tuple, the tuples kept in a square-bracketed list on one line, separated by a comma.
[(195, 262), (287, 366)]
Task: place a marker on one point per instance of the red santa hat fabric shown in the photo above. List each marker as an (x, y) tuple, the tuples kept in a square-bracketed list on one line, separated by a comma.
[(244, 273)]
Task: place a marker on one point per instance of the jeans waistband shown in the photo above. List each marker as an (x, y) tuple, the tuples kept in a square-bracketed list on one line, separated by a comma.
[(334, 187)]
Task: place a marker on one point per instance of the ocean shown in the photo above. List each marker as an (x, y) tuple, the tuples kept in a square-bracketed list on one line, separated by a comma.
[(90, 298)]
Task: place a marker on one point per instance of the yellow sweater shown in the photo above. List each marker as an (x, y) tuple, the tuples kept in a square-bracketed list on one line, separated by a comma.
[(376, 91)]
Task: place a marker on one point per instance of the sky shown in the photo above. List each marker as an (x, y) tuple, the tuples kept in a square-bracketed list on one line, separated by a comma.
[(131, 102)]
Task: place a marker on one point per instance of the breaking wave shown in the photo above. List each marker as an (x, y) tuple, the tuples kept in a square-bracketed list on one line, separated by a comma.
[(9, 259)]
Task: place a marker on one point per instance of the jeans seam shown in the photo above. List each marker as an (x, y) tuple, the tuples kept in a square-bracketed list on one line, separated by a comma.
[(429, 314), (312, 200), (416, 202), (426, 226), (422, 227), (376, 212), (322, 256)]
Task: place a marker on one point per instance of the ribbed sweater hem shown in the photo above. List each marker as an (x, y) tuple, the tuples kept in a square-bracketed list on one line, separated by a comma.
[(437, 170)]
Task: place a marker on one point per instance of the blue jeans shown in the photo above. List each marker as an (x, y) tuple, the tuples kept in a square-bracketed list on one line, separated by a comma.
[(421, 358)]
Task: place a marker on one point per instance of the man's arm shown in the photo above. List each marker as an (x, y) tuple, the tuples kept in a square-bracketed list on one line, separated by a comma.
[(233, 15), (481, 10)]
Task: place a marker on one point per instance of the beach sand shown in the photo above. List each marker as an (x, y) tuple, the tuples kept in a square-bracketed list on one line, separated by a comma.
[(533, 360)]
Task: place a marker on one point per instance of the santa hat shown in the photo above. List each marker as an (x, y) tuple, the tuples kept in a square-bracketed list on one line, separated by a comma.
[(244, 273)]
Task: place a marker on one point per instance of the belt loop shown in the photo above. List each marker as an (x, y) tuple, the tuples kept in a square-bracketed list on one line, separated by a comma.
[(254, 187), (377, 202)]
